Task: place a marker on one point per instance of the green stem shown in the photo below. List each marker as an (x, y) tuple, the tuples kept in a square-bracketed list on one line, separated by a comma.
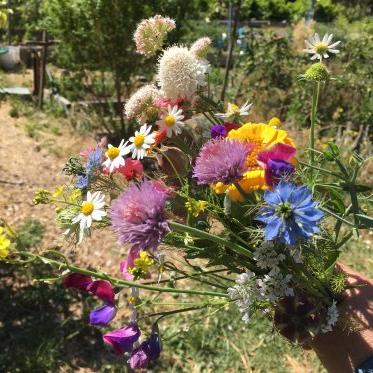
[(315, 101), (219, 240), (321, 169), (118, 282)]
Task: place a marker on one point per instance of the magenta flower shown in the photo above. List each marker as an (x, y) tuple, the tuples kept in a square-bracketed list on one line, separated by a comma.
[(102, 315), (221, 160), (103, 290), (122, 340), (138, 216), (77, 281), (275, 163), (129, 263)]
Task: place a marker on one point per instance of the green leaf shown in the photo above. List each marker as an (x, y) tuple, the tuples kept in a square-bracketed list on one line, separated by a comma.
[(365, 220)]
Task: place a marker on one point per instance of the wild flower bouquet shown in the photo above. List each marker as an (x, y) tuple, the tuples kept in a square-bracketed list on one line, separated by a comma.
[(259, 222)]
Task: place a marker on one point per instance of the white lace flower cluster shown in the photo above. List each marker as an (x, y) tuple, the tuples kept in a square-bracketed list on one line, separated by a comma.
[(266, 256), (250, 290), (331, 318)]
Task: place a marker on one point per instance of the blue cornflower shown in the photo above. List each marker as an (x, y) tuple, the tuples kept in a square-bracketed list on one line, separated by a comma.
[(94, 161), (291, 214)]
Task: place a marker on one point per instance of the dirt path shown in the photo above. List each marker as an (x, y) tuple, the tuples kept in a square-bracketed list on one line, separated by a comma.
[(29, 164)]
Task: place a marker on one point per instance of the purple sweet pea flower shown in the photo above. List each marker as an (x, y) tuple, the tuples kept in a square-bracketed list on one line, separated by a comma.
[(102, 315), (77, 281), (148, 351), (122, 340), (278, 169), (218, 130), (103, 290)]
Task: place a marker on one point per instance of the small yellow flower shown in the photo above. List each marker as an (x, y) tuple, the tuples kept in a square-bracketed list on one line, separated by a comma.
[(195, 207), (58, 191), (75, 194), (4, 244), (142, 265)]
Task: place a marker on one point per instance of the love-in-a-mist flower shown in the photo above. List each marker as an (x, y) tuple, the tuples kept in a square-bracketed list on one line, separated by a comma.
[(141, 142), (92, 209), (221, 160), (138, 215), (115, 156), (172, 121), (122, 340), (150, 34), (290, 214), (180, 73), (234, 112), (319, 48)]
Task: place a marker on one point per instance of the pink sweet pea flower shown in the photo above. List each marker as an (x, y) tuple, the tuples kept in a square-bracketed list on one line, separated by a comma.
[(103, 290), (77, 281)]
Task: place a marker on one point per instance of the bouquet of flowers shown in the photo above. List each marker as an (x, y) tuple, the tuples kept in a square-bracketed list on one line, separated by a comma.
[(262, 221)]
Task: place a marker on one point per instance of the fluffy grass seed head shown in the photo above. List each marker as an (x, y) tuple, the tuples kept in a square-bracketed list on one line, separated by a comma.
[(151, 33), (180, 73), (141, 105), (201, 47)]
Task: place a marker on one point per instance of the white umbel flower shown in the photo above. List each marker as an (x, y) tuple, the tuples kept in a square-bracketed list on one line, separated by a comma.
[(180, 73), (331, 318), (172, 121), (115, 155), (266, 256), (236, 112), (141, 142), (90, 210), (320, 48)]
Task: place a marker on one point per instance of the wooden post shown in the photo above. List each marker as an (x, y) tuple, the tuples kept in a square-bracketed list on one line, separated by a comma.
[(43, 64), (36, 70)]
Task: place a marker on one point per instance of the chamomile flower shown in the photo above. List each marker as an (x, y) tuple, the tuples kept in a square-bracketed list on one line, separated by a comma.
[(141, 142), (234, 112), (91, 210), (172, 121), (115, 155), (320, 48)]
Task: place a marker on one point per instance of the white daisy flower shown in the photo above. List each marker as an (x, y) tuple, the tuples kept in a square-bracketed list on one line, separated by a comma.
[(172, 122), (141, 142), (90, 210), (236, 112), (320, 48), (115, 156)]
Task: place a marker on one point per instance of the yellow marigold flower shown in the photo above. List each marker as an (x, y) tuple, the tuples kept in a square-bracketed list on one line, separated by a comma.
[(263, 137), (274, 122), (195, 207), (4, 244)]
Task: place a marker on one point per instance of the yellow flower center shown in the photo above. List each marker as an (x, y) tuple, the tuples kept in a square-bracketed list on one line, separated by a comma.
[(87, 208), (321, 47), (251, 160), (170, 120), (139, 141), (113, 152), (233, 109)]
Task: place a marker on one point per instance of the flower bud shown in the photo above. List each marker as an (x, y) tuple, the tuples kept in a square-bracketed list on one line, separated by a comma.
[(316, 73)]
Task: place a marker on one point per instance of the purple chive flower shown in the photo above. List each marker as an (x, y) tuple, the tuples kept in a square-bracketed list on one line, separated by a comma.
[(122, 340), (290, 214), (138, 216), (102, 315), (221, 161), (217, 131), (148, 351), (77, 281), (103, 290)]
